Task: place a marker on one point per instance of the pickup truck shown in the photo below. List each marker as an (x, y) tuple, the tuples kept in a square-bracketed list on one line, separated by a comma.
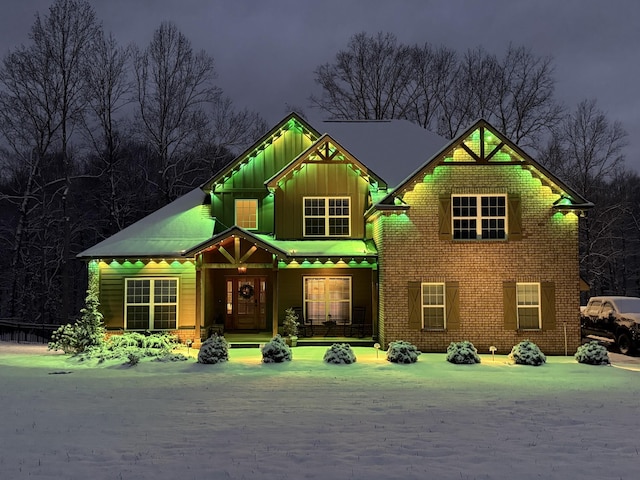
[(615, 318)]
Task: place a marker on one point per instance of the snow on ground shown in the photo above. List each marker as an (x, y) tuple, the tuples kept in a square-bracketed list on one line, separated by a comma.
[(309, 420)]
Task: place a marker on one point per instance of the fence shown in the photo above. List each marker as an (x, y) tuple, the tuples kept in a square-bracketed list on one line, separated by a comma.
[(12, 330)]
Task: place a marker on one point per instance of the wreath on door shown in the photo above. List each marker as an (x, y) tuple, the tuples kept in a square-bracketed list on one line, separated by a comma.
[(246, 291)]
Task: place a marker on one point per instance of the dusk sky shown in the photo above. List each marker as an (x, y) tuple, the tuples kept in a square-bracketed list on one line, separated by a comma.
[(266, 50)]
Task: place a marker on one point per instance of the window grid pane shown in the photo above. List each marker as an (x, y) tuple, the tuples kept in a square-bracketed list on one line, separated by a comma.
[(247, 213), (528, 301), (487, 222), (433, 306), (327, 217), (328, 298), (151, 312)]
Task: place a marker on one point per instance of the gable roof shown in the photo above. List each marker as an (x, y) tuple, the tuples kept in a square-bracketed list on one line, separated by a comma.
[(483, 144), (167, 232), (391, 148), (292, 120), (326, 149)]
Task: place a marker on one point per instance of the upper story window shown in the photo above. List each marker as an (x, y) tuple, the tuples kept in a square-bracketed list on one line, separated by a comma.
[(247, 213), (479, 217), (327, 217)]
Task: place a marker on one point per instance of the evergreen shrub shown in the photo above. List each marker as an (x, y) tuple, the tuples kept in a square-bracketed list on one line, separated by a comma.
[(527, 353), (592, 353), (402, 352), (462, 353), (276, 351), (214, 349), (340, 354)]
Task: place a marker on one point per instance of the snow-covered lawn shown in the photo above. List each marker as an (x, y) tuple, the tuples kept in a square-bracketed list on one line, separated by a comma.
[(306, 419)]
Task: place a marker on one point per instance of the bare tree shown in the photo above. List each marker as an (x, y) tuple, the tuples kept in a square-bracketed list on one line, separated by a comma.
[(41, 101), (525, 109), (588, 150), (376, 77), (434, 74), (174, 84), (107, 93), (370, 80)]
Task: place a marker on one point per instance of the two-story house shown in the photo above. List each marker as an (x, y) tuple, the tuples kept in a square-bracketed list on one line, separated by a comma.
[(479, 243)]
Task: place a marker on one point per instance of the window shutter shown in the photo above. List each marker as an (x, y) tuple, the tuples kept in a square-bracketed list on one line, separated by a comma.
[(548, 305), (444, 216), (510, 307), (415, 306), (515, 217), (453, 305)]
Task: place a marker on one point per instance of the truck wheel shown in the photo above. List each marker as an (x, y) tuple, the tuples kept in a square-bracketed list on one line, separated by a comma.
[(624, 343)]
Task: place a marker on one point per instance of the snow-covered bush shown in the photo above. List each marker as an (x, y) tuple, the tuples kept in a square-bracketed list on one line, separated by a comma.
[(402, 352), (527, 353), (128, 339), (133, 358), (214, 349), (276, 351), (592, 353), (340, 353), (462, 353), (171, 357)]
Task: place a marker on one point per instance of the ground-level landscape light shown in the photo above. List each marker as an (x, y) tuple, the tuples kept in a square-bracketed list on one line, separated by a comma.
[(377, 347), (493, 351)]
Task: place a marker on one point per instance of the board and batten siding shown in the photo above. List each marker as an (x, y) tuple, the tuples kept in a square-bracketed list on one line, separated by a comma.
[(248, 182), (112, 284), (320, 180)]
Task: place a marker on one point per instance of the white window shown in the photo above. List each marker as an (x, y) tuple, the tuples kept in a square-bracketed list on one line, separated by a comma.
[(247, 213), (328, 298), (479, 217), (151, 303), (327, 217), (433, 306), (528, 302)]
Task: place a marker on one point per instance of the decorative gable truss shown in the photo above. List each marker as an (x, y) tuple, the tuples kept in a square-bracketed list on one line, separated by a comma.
[(326, 150), (482, 145)]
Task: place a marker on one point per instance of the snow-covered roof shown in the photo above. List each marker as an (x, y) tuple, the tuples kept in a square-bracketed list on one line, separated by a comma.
[(169, 231), (391, 148), (322, 248)]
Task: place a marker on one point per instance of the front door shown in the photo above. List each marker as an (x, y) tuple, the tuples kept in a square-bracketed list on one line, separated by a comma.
[(246, 303)]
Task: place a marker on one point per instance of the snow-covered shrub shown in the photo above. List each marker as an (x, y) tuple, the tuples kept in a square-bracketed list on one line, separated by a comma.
[(527, 353), (171, 357), (402, 352), (462, 353), (162, 341), (214, 349), (340, 353), (592, 353), (133, 358), (128, 339), (276, 351)]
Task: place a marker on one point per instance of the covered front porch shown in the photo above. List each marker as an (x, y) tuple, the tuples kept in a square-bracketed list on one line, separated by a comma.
[(245, 282)]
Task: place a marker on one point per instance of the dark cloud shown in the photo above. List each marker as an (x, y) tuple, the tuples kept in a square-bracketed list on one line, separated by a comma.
[(266, 51)]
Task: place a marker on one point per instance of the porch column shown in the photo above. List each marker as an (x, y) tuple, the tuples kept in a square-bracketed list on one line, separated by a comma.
[(274, 300), (200, 296)]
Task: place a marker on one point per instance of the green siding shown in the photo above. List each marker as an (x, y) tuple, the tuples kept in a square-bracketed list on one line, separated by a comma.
[(112, 281), (320, 179)]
